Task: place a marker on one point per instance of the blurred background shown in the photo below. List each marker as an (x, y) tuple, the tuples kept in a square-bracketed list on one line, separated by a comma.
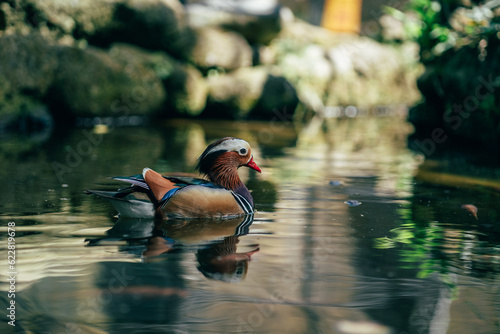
[(91, 63), (376, 124)]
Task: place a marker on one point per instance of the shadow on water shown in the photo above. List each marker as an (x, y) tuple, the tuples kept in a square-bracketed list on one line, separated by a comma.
[(354, 233)]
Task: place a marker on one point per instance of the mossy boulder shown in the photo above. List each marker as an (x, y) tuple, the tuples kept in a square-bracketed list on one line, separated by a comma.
[(217, 48), (367, 73), (277, 101), (330, 70), (132, 56), (187, 90), (27, 64), (248, 92), (27, 67), (185, 86), (152, 24), (259, 24), (90, 82)]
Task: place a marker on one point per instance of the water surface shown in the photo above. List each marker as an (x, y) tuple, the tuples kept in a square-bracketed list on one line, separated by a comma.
[(354, 234)]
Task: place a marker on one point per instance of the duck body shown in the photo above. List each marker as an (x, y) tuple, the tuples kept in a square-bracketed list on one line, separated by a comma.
[(223, 195)]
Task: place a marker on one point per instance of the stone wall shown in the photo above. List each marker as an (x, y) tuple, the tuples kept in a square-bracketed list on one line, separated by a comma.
[(90, 58)]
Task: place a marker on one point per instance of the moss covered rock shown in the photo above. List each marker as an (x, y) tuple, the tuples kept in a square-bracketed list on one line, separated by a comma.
[(216, 48), (90, 82), (259, 25), (234, 95), (367, 73), (27, 67), (152, 24), (27, 64), (330, 70), (184, 84), (187, 90), (251, 91), (133, 56)]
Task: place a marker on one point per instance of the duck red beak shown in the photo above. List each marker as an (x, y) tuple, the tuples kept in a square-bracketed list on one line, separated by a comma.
[(253, 165)]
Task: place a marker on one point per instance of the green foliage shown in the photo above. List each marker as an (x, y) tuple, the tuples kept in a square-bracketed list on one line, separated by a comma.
[(417, 242), (438, 26)]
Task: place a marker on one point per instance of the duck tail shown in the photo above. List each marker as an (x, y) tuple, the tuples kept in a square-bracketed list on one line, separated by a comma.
[(136, 180), (126, 204)]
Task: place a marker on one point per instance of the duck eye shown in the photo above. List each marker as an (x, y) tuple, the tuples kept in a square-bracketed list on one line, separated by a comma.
[(243, 151)]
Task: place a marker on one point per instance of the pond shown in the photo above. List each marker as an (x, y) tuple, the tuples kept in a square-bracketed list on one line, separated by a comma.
[(354, 233)]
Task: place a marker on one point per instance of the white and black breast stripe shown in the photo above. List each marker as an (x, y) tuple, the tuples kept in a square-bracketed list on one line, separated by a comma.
[(244, 227), (243, 203)]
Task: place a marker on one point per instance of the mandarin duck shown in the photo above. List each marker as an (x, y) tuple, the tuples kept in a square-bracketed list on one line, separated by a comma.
[(221, 195)]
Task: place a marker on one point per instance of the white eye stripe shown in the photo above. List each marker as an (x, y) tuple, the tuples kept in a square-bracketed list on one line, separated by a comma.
[(231, 145)]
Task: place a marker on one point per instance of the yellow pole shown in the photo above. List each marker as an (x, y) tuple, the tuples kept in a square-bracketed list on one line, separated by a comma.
[(342, 15)]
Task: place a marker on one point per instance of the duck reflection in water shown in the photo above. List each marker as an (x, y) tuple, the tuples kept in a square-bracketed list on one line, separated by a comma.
[(221, 262), (214, 241)]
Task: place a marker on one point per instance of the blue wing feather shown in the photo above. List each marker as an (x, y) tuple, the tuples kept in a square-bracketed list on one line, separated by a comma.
[(169, 194)]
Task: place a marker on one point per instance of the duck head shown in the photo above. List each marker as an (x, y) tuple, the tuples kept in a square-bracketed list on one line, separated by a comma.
[(221, 160)]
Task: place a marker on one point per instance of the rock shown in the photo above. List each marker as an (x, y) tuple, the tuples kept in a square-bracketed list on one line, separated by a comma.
[(82, 81), (392, 29), (249, 92), (258, 21), (90, 82), (367, 73), (5, 13), (81, 18), (216, 48), (152, 24), (13, 18), (329, 69), (133, 56), (187, 90), (27, 69), (277, 101), (234, 95), (310, 72), (27, 64), (185, 86)]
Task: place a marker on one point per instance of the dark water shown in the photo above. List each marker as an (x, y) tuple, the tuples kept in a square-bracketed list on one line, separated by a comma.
[(354, 234)]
